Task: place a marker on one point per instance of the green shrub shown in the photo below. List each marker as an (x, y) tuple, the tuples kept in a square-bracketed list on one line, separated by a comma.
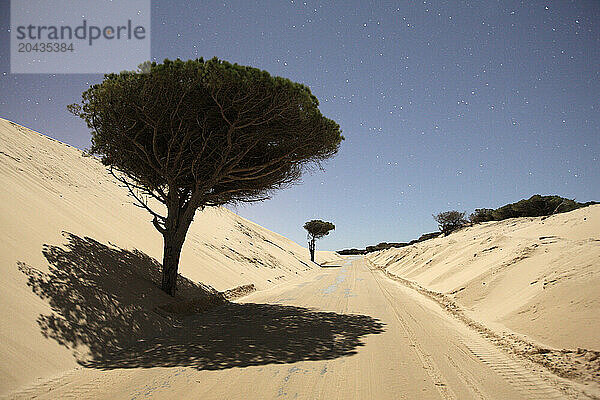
[(481, 215), (535, 206), (449, 221)]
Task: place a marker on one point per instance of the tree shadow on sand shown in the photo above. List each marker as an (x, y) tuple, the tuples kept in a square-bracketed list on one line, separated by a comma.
[(105, 304)]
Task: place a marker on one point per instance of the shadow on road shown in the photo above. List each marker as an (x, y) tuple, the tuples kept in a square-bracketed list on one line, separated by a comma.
[(239, 335), (104, 299)]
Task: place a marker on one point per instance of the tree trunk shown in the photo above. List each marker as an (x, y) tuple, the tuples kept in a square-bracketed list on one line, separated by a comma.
[(173, 243), (171, 254), (311, 247)]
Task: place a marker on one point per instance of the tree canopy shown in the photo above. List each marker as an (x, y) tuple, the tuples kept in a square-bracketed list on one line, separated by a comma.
[(317, 228), (191, 134)]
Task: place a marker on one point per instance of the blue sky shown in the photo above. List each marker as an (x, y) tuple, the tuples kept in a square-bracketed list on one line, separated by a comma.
[(444, 104)]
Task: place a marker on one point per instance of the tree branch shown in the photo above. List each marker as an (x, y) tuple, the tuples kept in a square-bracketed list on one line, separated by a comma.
[(141, 203)]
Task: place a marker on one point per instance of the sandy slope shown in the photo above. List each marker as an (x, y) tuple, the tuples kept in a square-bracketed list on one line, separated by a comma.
[(539, 277), (63, 218)]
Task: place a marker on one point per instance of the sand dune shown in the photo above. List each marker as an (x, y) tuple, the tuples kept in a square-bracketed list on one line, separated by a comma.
[(72, 244), (537, 277), (79, 288)]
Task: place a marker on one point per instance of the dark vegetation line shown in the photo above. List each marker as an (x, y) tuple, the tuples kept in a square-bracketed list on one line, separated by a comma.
[(450, 221)]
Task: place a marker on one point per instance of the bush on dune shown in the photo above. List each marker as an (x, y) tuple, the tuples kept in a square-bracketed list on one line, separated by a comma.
[(535, 206), (481, 215), (449, 221)]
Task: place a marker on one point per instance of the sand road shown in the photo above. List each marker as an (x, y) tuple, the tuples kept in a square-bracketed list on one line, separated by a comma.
[(345, 333)]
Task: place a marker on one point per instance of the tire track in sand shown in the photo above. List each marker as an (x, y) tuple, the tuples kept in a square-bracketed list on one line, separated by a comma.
[(524, 382), (426, 360), (532, 387)]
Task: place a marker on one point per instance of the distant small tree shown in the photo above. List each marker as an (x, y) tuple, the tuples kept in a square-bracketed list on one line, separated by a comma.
[(195, 134), (449, 221), (316, 230)]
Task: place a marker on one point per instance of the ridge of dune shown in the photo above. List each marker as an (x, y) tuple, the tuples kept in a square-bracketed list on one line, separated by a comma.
[(537, 277), (61, 211)]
